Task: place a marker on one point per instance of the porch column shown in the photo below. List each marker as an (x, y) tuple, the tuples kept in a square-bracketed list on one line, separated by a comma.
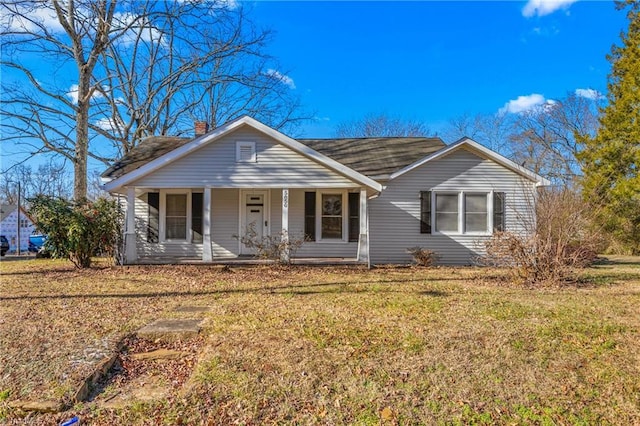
[(130, 255), (285, 224), (363, 241), (207, 254)]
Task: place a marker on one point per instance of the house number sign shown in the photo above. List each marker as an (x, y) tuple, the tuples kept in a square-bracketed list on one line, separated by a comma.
[(285, 198)]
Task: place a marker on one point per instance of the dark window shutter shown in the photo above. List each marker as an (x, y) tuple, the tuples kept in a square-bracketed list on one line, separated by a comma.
[(196, 217), (425, 212), (498, 211), (310, 216), (354, 216), (153, 200)]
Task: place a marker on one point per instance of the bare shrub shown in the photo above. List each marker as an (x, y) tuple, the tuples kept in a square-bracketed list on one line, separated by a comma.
[(281, 247), (559, 241), (422, 256)]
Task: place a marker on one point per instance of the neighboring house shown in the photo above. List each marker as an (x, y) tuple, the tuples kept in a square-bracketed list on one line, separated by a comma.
[(365, 199), (9, 226)]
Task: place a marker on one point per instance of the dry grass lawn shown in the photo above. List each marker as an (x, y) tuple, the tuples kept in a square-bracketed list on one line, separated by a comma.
[(319, 345)]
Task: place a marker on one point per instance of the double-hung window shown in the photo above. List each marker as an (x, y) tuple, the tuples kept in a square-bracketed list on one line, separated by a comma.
[(176, 217), (331, 216)]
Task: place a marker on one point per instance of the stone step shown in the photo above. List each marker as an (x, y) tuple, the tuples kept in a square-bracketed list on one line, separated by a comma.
[(171, 330)]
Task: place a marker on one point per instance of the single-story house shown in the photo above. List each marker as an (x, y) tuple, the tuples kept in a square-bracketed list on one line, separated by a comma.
[(363, 199), (9, 223)]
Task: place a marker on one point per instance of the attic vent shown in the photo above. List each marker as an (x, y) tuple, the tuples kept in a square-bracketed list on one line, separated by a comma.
[(246, 152)]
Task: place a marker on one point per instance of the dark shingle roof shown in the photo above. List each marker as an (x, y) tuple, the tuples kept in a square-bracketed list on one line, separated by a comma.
[(376, 157), (373, 157), (147, 150)]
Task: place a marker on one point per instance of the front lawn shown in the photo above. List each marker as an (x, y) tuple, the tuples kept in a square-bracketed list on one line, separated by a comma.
[(339, 345)]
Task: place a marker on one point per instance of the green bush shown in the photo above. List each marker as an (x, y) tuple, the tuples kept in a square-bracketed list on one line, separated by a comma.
[(77, 230)]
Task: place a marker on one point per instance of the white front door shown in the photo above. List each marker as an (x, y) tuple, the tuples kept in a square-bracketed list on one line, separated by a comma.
[(254, 219)]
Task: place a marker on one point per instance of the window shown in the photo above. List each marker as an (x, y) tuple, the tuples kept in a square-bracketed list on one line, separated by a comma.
[(447, 212), (176, 217), (475, 213), (332, 216), (246, 152), (331, 219), (24, 223), (461, 212)]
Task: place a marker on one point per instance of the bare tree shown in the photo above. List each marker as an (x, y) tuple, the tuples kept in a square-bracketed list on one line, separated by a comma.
[(543, 139), (381, 125), (190, 61), (124, 70), (72, 32), (48, 179)]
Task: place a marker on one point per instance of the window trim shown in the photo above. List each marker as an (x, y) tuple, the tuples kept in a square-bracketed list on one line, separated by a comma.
[(244, 144), (345, 216), (163, 216), (462, 212)]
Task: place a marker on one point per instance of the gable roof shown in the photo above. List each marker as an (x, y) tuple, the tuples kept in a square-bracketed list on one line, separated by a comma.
[(376, 157), (136, 165), (483, 151), (7, 209)]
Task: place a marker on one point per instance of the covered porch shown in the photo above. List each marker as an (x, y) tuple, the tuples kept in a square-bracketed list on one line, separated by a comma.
[(206, 225)]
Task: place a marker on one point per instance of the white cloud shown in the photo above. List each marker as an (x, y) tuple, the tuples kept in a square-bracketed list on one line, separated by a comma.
[(30, 18), (544, 7), (284, 79), (108, 124), (73, 93), (526, 103), (589, 94), (139, 29)]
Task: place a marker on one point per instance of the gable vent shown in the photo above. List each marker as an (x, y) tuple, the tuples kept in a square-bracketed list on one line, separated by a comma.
[(246, 152)]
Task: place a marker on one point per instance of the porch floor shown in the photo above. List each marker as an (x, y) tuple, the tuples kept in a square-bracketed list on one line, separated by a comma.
[(245, 261)]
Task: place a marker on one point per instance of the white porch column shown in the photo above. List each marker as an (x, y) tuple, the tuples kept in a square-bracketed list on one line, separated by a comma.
[(285, 223), (363, 241), (207, 254), (130, 254)]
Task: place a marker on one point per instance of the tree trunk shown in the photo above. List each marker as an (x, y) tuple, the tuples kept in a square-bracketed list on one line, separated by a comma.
[(82, 136)]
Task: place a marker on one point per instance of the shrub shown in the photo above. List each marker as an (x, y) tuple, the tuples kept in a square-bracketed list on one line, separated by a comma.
[(79, 230), (422, 256), (280, 248), (550, 250)]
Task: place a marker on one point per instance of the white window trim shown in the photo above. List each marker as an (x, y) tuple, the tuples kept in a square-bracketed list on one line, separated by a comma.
[(244, 144), (163, 216), (461, 212), (345, 216)]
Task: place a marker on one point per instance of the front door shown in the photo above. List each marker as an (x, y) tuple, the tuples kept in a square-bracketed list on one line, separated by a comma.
[(254, 220)]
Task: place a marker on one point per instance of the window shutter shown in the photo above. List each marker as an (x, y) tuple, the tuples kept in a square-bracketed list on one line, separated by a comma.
[(196, 217), (354, 216), (153, 200), (425, 212), (498, 211), (310, 216)]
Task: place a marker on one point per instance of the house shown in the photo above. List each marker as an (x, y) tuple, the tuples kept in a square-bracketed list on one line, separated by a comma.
[(366, 199), (9, 226)]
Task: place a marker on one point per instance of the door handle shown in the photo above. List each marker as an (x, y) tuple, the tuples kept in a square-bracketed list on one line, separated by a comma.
[(265, 223)]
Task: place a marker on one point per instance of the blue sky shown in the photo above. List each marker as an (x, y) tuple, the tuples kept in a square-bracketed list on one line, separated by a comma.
[(431, 61)]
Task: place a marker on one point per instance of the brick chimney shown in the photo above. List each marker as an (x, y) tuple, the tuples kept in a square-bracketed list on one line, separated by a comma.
[(202, 127)]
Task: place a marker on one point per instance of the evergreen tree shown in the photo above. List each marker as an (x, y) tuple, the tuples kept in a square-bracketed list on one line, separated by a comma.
[(611, 159)]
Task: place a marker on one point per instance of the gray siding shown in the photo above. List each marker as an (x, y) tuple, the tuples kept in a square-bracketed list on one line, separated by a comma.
[(224, 222), (395, 215), (215, 165)]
